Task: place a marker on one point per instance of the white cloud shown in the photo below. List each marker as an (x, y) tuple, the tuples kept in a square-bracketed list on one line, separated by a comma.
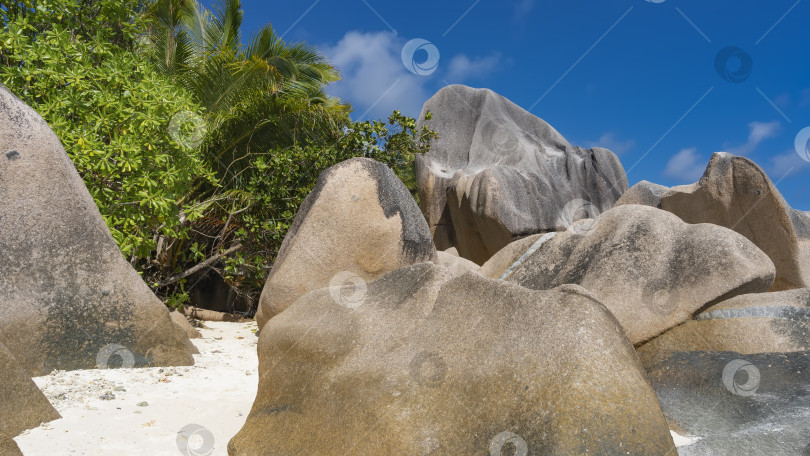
[(687, 165), (462, 67), (374, 79), (787, 162), (758, 132), (610, 141)]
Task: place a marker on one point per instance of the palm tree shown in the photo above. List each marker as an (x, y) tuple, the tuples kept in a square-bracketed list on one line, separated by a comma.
[(260, 95)]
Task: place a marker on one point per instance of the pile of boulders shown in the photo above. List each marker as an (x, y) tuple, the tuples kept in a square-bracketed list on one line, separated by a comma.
[(529, 304), (535, 305)]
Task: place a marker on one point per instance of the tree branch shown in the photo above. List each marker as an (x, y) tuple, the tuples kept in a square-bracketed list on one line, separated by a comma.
[(198, 267)]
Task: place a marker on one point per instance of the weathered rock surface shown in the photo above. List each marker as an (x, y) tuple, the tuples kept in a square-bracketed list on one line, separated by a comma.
[(8, 447), (423, 365), (182, 322), (66, 291), (752, 323), (190, 331), (359, 223), (652, 270), (735, 193), (455, 264), (513, 255), (498, 173), (23, 406), (643, 193), (736, 404)]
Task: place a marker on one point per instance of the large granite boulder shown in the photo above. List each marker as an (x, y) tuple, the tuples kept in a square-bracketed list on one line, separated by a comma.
[(426, 365), (652, 270), (497, 173), (734, 404), (66, 292), (358, 223), (752, 323), (736, 193), (23, 406)]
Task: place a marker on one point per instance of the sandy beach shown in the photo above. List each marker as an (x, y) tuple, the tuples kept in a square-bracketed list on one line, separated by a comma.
[(140, 411)]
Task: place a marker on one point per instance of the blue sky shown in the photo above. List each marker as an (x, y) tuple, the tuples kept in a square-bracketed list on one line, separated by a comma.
[(638, 77)]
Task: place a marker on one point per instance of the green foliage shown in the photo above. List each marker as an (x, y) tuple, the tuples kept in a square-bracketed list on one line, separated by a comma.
[(110, 109), (189, 140)]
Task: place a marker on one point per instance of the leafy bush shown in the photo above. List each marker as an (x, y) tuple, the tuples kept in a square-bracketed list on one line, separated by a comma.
[(70, 61), (178, 175)]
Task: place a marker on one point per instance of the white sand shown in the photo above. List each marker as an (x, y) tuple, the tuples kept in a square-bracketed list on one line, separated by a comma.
[(217, 393)]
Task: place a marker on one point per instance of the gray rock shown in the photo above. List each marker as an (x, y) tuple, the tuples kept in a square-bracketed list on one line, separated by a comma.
[(428, 365), (644, 193), (649, 268), (456, 265), (23, 406), (736, 404), (752, 323), (736, 193), (359, 223), (67, 295), (498, 173)]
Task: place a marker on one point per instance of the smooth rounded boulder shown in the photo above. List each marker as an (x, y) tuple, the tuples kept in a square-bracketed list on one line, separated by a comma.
[(497, 173), (428, 365), (736, 193), (67, 295), (753, 323), (358, 223), (649, 268)]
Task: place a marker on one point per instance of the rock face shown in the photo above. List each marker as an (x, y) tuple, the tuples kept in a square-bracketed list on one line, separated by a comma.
[(455, 264), (66, 292), (644, 193), (8, 447), (23, 405), (424, 365), (182, 322), (736, 404), (753, 323), (497, 173), (652, 270), (359, 223), (735, 193)]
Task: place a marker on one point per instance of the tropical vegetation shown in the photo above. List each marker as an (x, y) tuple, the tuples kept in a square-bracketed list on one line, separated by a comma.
[(197, 144)]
